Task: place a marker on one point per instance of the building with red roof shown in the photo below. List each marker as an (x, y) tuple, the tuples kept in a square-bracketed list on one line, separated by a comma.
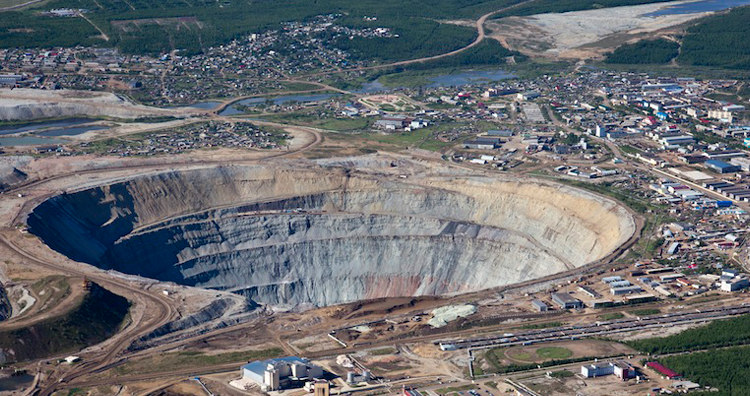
[(665, 371)]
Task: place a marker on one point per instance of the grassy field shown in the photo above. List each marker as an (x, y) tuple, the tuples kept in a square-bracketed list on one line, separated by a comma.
[(187, 359), (382, 351), (454, 389), (611, 316), (646, 312), (554, 353), (11, 3), (329, 123), (541, 325)]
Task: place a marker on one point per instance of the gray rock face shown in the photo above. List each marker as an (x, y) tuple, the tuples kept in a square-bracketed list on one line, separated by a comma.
[(287, 237), (5, 306)]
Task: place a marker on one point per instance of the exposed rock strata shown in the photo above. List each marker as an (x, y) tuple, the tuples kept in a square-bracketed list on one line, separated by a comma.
[(324, 236)]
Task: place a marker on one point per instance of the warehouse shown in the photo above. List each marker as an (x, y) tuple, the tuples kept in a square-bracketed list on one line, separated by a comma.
[(566, 301), (539, 305), (617, 291), (621, 369), (483, 143), (721, 166), (664, 371), (500, 132)]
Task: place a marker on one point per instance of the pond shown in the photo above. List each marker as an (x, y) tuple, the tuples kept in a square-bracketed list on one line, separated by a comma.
[(9, 130), (15, 382), (29, 141), (457, 79), (72, 131), (208, 105), (232, 110)]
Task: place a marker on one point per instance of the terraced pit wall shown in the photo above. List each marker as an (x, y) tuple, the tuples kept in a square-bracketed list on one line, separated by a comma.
[(324, 236)]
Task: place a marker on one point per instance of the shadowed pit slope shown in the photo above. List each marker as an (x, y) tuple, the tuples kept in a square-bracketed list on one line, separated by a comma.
[(323, 236)]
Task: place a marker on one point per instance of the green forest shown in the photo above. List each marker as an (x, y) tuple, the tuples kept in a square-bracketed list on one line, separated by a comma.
[(734, 331), (98, 316), (726, 369), (658, 51), (156, 26), (151, 26), (544, 6), (720, 40)]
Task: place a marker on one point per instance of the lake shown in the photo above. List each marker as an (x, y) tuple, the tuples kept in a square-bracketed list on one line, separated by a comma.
[(29, 141), (72, 131), (469, 77), (208, 105), (699, 6), (465, 77), (9, 130), (15, 382)]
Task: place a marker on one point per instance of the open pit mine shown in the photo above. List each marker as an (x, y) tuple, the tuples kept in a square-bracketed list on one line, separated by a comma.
[(318, 236)]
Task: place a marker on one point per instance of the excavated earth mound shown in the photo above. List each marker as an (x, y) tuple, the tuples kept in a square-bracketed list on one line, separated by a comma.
[(324, 236)]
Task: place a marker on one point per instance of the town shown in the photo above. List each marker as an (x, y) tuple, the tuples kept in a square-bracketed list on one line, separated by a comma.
[(286, 217)]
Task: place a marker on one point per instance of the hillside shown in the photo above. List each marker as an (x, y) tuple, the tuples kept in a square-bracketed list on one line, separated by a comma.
[(719, 40), (97, 318), (716, 41), (151, 26)]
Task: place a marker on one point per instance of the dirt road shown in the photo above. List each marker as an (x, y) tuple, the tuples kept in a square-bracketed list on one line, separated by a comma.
[(481, 35)]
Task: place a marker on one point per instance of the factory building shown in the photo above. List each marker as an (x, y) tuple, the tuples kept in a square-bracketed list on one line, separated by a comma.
[(610, 279), (589, 291), (732, 280), (566, 301), (500, 132), (275, 374), (719, 166), (620, 369), (617, 291), (483, 143), (355, 378)]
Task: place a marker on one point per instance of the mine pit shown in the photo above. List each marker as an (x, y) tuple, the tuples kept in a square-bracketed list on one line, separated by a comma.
[(319, 236)]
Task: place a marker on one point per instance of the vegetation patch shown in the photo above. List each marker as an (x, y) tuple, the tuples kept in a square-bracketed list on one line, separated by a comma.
[(554, 353), (719, 40), (534, 326), (97, 317), (187, 359), (611, 316), (382, 351), (158, 26), (726, 369), (720, 333), (646, 312), (645, 52)]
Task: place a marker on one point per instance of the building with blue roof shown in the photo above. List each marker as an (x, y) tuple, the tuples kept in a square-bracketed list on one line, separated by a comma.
[(274, 374), (721, 166)]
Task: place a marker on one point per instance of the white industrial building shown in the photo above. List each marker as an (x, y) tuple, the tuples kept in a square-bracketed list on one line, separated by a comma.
[(732, 280), (275, 374), (620, 369)]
